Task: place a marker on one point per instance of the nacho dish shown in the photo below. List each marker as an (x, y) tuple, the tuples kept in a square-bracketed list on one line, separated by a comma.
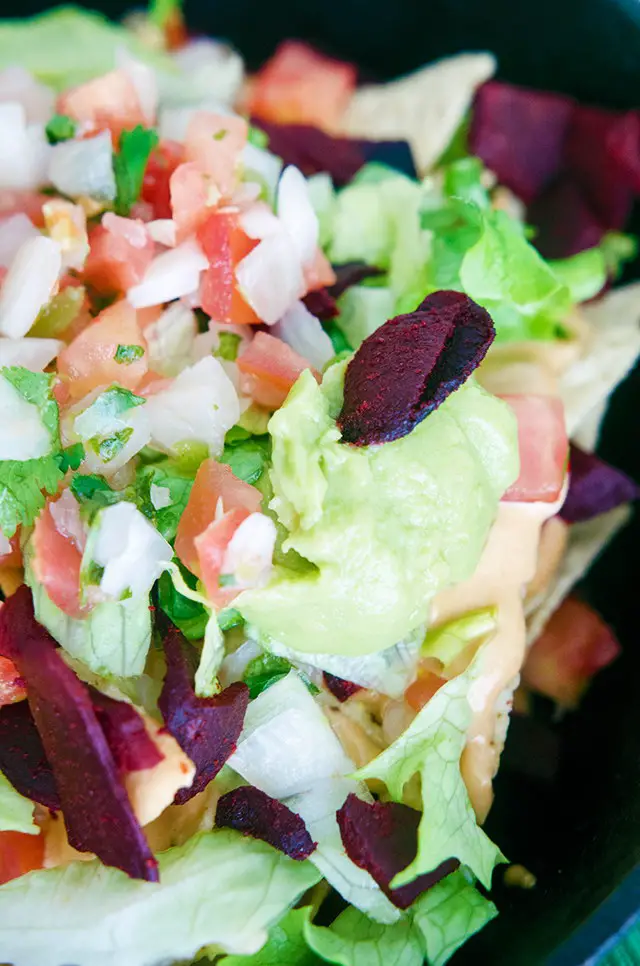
[(300, 386)]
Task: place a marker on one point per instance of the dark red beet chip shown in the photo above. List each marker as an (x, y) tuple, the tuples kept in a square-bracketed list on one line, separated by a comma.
[(409, 366), (22, 756), (127, 737), (98, 815), (565, 222), (321, 304), (252, 812), (351, 273), (594, 487), (382, 838), (340, 688), (207, 729)]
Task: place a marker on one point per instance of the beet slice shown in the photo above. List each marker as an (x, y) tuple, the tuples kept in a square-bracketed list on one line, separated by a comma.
[(322, 302), (207, 729), (127, 737), (565, 222), (22, 756), (98, 815), (252, 812), (340, 688), (382, 838), (594, 487), (409, 366)]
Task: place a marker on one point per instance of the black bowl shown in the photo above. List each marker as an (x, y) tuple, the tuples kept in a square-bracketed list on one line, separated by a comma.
[(579, 832)]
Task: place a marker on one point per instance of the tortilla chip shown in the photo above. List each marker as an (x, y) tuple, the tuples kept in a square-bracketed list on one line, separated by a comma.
[(586, 541), (425, 108), (612, 350)]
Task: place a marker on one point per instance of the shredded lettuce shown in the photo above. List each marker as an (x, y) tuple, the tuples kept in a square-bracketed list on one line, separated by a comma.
[(178, 482), (431, 747), (206, 681), (286, 945), (447, 641), (354, 940), (188, 615), (16, 811), (363, 309), (247, 454), (220, 890), (449, 914)]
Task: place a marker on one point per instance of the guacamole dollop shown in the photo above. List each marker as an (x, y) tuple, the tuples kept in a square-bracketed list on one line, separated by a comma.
[(384, 528)]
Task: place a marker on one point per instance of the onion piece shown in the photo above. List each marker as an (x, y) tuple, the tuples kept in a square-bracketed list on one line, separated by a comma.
[(163, 231), (249, 553), (24, 150), (28, 285), (84, 167), (304, 333), (296, 213), (266, 166), (14, 231), (270, 277), (170, 275), (38, 100), (130, 549), (144, 81), (33, 354), (170, 339)]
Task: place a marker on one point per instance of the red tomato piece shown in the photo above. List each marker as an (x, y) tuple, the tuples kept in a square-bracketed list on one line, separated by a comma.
[(319, 273), (269, 368), (29, 203), (19, 853), (216, 491), (300, 86), (110, 101), (56, 564), (155, 187), (14, 557), (214, 142), (189, 190), (210, 547), (89, 361), (11, 685), (575, 644), (544, 448), (423, 689), (119, 254), (224, 244)]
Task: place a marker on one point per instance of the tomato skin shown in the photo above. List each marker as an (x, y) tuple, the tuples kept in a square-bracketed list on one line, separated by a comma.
[(269, 368), (574, 645), (544, 448), (423, 689), (214, 485), (19, 853), (11, 686), (114, 264), (210, 546), (56, 564), (319, 273), (224, 244), (155, 187), (110, 101), (214, 143), (29, 203), (301, 86)]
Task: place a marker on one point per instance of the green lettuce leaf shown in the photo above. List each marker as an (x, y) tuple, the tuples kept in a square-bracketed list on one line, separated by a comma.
[(188, 615), (447, 641), (286, 945), (431, 747), (206, 681), (23, 482), (43, 46), (247, 454), (355, 940), (449, 914), (167, 474), (220, 889), (263, 671), (16, 811)]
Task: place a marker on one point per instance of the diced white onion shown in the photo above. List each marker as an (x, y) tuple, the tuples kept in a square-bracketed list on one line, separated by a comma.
[(174, 121), (66, 516), (170, 275), (304, 333), (143, 79), (163, 231), (84, 167), (130, 549), (38, 100), (23, 435), (160, 496), (258, 221), (201, 405), (33, 354), (14, 230), (266, 165), (235, 664), (28, 285), (270, 277), (296, 213), (170, 339), (24, 150), (212, 68), (249, 553), (81, 424)]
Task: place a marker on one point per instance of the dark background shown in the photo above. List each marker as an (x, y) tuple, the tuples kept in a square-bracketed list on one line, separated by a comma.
[(580, 831)]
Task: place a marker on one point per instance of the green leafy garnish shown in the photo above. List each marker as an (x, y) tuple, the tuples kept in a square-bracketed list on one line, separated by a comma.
[(110, 446), (230, 618), (247, 455), (93, 493), (286, 945), (112, 403), (126, 354), (130, 164), (61, 127), (16, 812), (228, 344), (189, 616), (161, 12), (167, 474), (258, 137), (263, 671), (71, 457), (339, 340)]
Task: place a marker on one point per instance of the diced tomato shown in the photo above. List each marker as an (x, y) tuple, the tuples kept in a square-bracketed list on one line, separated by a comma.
[(12, 688), (56, 564), (190, 199), (319, 273), (268, 369), (28, 203), (575, 644), (19, 853), (224, 244), (544, 448), (210, 546), (155, 187), (300, 86), (120, 252), (215, 492), (89, 361), (423, 689), (214, 142), (110, 101)]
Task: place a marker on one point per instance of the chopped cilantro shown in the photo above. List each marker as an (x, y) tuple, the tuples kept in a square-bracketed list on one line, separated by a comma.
[(221, 134), (71, 457), (109, 447), (338, 339), (92, 493), (258, 137), (228, 345), (263, 671), (60, 127), (126, 354), (247, 455), (130, 164), (229, 618)]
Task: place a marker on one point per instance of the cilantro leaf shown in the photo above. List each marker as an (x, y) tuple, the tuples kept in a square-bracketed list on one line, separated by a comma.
[(71, 457), (263, 671), (169, 475), (60, 127), (189, 616), (93, 493), (247, 455), (126, 354), (228, 344), (109, 447), (130, 164)]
